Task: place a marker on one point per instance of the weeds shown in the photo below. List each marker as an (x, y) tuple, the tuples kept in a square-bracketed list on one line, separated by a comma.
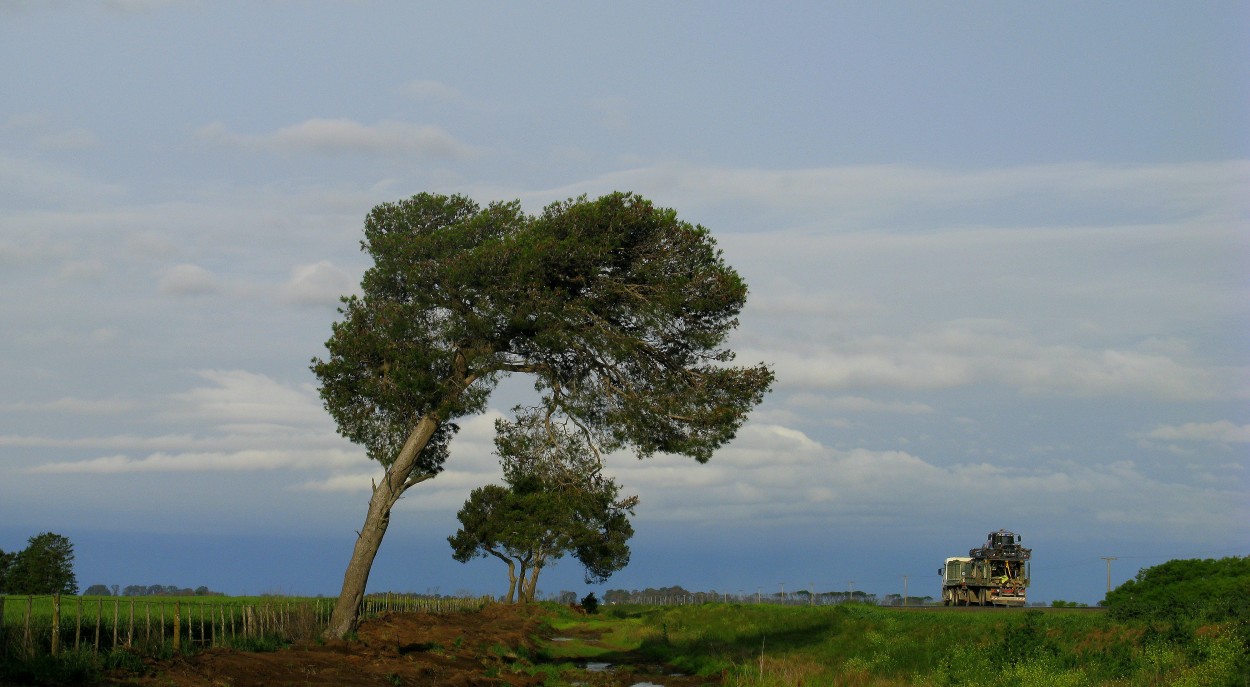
[(763, 646)]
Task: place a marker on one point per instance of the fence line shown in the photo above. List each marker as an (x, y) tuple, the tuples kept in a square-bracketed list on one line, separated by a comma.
[(192, 624)]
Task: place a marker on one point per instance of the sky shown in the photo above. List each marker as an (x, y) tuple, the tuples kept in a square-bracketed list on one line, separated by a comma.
[(998, 258)]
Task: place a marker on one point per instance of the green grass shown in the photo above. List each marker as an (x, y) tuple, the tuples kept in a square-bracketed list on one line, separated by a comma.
[(763, 646), (146, 624)]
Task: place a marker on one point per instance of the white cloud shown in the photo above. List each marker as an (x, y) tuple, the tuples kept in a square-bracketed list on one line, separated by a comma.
[(858, 404), (349, 483), (72, 405), (188, 280), (772, 474), (41, 182), (335, 136), (77, 138), (113, 6), (238, 461), (964, 353), (613, 113), (1219, 432), (239, 396), (139, 6), (321, 283), (90, 269), (242, 421), (896, 197), (431, 91)]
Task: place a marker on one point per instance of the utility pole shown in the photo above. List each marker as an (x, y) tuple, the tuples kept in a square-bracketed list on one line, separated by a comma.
[(849, 584), (1108, 559), (783, 592), (905, 590)]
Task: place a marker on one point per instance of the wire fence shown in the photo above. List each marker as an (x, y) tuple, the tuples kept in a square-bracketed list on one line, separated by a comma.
[(32, 626)]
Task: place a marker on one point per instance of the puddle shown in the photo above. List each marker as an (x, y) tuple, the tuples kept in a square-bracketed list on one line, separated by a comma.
[(562, 639), (605, 667)]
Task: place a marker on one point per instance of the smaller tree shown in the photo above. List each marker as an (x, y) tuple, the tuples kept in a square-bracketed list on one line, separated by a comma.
[(97, 590), (590, 603), (45, 566), (557, 501)]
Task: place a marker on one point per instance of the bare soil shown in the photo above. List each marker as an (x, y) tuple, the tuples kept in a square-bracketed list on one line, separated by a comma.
[(496, 646)]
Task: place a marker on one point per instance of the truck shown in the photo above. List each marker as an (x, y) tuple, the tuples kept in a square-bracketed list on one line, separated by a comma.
[(995, 574)]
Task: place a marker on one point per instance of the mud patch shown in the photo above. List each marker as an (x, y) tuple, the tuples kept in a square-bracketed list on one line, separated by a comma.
[(496, 646)]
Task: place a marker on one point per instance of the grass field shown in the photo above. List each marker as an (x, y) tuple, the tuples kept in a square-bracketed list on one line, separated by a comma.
[(767, 646), (149, 623)]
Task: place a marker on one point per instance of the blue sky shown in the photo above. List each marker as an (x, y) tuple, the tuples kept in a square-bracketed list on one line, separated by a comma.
[(999, 258)]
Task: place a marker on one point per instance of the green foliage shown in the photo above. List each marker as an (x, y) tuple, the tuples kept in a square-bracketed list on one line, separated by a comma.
[(764, 645), (618, 309), (590, 603), (1198, 590), (45, 566), (1060, 603), (6, 561), (558, 500), (70, 668)]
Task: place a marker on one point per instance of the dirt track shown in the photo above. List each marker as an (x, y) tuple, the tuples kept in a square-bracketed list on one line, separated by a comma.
[(490, 647)]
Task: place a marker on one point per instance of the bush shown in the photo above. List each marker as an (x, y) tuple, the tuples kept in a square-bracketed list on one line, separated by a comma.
[(1195, 590), (590, 603)]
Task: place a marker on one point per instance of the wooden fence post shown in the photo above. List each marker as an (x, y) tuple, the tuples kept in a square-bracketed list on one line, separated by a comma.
[(130, 630), (99, 613), (26, 638), (177, 627), (3, 644), (56, 624), (78, 626), (117, 609)]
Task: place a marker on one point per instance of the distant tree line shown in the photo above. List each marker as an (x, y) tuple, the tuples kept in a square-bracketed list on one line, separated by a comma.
[(802, 596), (45, 566), (149, 590)]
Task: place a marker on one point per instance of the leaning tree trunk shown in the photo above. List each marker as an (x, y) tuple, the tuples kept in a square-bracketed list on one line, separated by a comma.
[(511, 573), (397, 479), (511, 582)]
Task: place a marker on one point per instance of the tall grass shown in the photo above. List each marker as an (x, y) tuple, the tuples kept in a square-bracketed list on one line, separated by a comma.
[(146, 624), (767, 646)]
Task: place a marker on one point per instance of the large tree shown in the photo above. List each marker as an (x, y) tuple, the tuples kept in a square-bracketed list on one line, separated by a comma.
[(45, 566), (618, 310), (557, 501)]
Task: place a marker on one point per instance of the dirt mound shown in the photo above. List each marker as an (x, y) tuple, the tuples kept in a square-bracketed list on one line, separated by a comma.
[(487, 647)]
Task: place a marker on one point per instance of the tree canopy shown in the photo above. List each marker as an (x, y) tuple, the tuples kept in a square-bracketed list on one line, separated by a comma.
[(557, 501), (45, 566), (1211, 589), (617, 309)]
